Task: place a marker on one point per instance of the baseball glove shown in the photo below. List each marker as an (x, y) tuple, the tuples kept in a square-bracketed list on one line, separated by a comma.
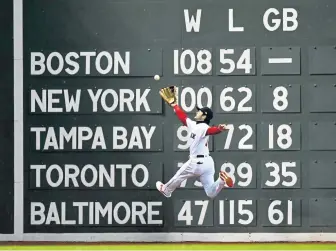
[(169, 94)]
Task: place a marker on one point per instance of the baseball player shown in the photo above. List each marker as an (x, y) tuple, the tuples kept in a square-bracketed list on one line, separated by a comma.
[(200, 163)]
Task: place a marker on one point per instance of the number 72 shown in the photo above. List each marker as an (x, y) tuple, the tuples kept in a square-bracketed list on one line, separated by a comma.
[(242, 142)]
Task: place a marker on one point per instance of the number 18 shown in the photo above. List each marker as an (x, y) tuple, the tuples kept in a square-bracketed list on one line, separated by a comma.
[(284, 140)]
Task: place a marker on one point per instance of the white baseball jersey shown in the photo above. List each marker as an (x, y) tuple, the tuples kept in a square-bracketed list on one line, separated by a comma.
[(201, 167), (198, 140)]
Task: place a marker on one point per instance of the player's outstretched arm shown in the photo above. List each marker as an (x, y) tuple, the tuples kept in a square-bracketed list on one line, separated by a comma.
[(180, 114), (216, 129)]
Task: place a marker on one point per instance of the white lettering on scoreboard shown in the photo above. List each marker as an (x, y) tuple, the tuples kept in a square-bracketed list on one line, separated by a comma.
[(280, 102), (75, 133), (94, 213), (196, 98), (222, 99), (51, 138), (103, 62), (71, 175), (283, 137), (276, 216), (242, 142), (239, 213), (271, 19), (233, 212), (228, 103), (195, 61), (281, 171), (108, 100), (281, 174), (186, 215)]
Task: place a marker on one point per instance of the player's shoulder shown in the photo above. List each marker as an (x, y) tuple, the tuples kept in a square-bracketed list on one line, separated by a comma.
[(191, 122), (202, 126)]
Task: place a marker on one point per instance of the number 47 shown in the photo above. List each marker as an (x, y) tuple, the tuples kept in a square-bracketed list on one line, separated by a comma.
[(185, 212), (243, 63)]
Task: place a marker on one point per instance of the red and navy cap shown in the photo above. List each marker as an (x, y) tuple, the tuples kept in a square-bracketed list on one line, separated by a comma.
[(206, 111)]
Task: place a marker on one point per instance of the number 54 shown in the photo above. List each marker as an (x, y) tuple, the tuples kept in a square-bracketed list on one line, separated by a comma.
[(243, 63)]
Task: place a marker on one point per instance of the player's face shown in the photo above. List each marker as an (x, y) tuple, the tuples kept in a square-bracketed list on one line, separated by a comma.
[(199, 116)]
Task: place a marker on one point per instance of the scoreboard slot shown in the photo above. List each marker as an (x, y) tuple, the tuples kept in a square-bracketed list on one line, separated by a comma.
[(193, 213), (236, 213), (322, 136), (325, 104), (322, 173), (280, 61), (280, 212), (194, 96), (98, 63), (280, 136), (193, 61), (125, 176), (280, 98), (236, 98), (322, 212), (238, 137), (235, 61), (322, 60), (281, 174)]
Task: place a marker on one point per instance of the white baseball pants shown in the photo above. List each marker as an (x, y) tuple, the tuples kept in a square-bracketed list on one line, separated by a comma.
[(204, 168)]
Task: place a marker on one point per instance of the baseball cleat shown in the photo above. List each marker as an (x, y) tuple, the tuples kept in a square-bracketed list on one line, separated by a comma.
[(226, 178), (159, 186)]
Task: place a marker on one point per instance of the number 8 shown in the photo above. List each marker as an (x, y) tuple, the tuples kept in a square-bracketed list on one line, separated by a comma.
[(280, 99)]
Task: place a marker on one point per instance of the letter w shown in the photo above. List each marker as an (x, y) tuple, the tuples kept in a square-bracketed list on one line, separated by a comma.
[(190, 22)]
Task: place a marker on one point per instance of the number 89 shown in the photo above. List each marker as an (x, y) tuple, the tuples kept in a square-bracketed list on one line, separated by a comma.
[(244, 171)]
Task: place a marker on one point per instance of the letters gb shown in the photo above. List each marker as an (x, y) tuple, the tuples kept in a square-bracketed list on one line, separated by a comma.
[(272, 19)]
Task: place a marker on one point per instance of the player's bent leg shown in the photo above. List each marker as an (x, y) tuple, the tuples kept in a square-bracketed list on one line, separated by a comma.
[(211, 187), (226, 178), (183, 173)]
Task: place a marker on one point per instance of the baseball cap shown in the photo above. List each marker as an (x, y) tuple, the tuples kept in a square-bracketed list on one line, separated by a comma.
[(207, 111)]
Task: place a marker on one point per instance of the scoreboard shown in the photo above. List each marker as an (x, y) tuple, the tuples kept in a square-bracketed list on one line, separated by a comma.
[(97, 135)]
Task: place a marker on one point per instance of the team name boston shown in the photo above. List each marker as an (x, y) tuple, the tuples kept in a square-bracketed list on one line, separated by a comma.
[(82, 137)]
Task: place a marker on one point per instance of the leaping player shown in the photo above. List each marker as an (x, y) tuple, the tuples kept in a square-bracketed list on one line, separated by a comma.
[(200, 163)]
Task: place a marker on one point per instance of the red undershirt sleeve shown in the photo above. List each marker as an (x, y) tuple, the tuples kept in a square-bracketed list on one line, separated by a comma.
[(213, 130), (181, 115)]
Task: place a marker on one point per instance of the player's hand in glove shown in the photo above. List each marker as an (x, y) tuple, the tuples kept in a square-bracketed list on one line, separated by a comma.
[(169, 95)]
